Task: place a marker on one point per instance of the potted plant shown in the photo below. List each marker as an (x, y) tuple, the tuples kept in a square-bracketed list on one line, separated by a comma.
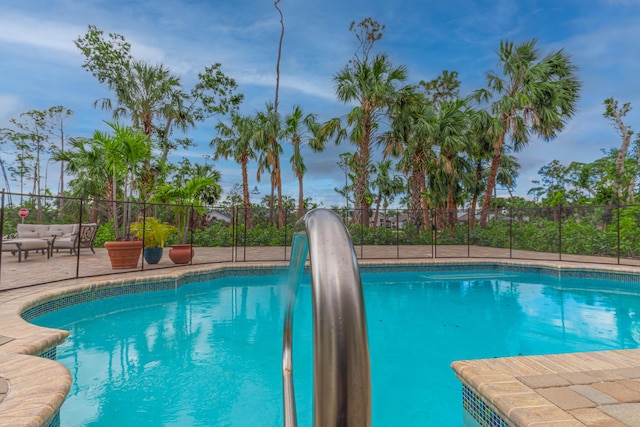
[(124, 253), (181, 253), (125, 152), (152, 232), (188, 197)]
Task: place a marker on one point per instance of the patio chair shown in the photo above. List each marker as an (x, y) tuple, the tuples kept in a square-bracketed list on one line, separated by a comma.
[(83, 239)]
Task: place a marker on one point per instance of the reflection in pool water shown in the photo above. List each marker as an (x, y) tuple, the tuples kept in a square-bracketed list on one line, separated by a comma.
[(210, 353)]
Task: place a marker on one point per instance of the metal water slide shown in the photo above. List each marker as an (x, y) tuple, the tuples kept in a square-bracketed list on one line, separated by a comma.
[(342, 382)]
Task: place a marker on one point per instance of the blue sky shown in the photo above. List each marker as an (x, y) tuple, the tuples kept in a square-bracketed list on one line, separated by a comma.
[(41, 67)]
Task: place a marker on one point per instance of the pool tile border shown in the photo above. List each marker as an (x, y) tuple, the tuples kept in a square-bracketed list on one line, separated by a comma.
[(127, 287), (479, 410)]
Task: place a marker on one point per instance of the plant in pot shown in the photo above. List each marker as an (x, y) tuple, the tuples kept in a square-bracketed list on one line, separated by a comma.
[(152, 232), (189, 198), (125, 152)]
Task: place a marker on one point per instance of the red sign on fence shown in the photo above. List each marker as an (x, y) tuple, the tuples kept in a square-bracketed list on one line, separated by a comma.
[(23, 212)]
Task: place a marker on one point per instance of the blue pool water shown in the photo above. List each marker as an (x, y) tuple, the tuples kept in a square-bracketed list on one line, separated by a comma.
[(209, 353)]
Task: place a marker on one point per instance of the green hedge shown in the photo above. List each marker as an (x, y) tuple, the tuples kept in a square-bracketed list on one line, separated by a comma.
[(588, 232)]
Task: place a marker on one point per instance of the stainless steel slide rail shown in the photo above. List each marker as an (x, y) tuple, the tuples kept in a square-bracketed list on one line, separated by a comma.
[(342, 383)]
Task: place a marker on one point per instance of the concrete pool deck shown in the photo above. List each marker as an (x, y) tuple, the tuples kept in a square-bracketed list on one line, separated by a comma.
[(577, 389)]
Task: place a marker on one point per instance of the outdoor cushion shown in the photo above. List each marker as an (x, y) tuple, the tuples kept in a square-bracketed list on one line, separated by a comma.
[(28, 235), (45, 230), (28, 230), (25, 245), (62, 229)]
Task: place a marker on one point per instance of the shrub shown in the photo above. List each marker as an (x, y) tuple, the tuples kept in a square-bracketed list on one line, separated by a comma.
[(216, 235), (105, 233)]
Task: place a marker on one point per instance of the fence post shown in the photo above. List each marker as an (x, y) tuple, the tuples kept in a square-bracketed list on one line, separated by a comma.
[(560, 233), (191, 224), (434, 233), (510, 232), (468, 233), (79, 234), (144, 229), (397, 235), (244, 244), (362, 231), (286, 218), (618, 208), (2, 226), (234, 224)]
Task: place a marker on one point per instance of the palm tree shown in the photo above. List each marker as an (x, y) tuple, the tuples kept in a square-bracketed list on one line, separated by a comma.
[(533, 96), (126, 151), (372, 85), (298, 129), (236, 140), (480, 153), (408, 138), (85, 161), (508, 172), (266, 138), (190, 195), (154, 101), (387, 187), (149, 95), (450, 134), (106, 161)]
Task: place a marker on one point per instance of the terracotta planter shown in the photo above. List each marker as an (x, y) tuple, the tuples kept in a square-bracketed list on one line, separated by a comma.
[(181, 254), (124, 254), (152, 255)]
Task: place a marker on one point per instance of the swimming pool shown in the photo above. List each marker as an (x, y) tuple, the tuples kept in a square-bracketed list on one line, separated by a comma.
[(224, 338)]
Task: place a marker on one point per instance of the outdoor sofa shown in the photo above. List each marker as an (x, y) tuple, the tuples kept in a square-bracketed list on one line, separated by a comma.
[(48, 237)]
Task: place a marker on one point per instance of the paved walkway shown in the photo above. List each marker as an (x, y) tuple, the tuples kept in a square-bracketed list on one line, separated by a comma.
[(592, 389)]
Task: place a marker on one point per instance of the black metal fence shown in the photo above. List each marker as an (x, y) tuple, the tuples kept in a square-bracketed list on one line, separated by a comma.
[(596, 234)]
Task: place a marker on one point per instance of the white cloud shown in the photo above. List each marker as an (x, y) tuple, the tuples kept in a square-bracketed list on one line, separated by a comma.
[(36, 44), (10, 107), (35, 33)]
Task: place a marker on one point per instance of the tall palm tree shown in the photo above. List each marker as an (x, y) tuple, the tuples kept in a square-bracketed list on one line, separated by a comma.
[(236, 141), (480, 152), (151, 97), (267, 134), (372, 85), (154, 100), (301, 130), (126, 152), (412, 120), (529, 96), (450, 134)]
